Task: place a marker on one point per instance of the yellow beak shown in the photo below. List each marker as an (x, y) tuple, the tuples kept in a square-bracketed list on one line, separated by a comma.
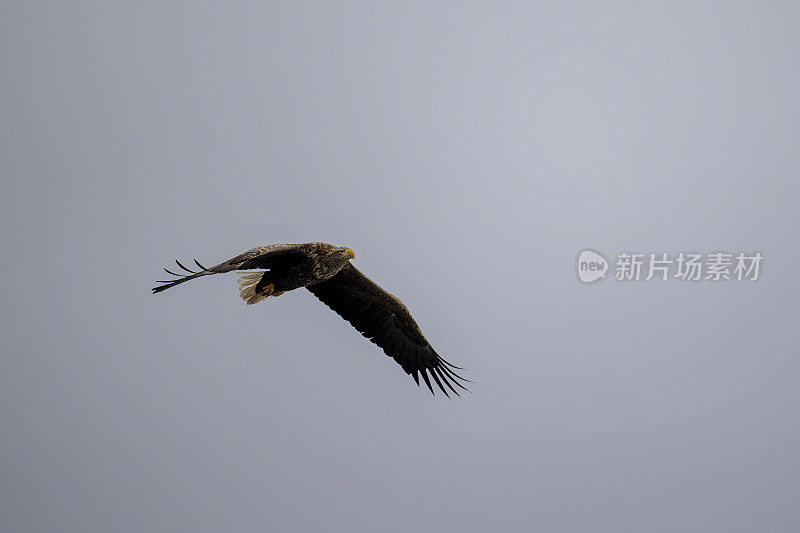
[(351, 254)]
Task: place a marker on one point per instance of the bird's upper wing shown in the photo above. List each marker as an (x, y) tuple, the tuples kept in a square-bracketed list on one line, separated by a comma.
[(260, 257), (383, 319)]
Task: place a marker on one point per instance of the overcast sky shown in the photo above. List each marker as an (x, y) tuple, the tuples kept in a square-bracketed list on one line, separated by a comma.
[(467, 152)]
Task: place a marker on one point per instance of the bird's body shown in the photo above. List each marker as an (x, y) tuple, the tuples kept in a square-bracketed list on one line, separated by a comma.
[(326, 271)]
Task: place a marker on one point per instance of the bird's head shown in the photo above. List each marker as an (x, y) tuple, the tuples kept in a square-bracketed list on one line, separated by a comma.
[(346, 253)]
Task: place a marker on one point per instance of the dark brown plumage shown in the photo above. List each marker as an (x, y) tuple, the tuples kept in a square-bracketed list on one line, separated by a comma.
[(326, 271)]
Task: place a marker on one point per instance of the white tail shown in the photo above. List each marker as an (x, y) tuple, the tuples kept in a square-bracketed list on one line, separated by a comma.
[(247, 288)]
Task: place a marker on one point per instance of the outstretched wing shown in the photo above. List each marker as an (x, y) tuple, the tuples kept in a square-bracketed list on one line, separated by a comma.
[(384, 320), (263, 257)]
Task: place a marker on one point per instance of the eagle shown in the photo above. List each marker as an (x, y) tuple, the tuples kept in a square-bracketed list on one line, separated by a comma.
[(326, 271)]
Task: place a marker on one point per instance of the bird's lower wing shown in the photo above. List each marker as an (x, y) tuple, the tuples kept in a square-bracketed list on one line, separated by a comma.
[(385, 320)]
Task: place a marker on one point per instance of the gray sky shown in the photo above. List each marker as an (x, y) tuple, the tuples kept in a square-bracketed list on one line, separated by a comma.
[(467, 153)]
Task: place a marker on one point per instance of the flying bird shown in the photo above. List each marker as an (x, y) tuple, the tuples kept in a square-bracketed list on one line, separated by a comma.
[(326, 271)]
